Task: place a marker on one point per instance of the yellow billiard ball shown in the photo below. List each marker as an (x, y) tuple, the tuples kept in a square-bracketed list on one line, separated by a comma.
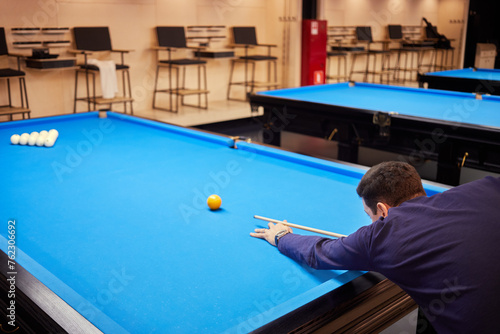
[(214, 202)]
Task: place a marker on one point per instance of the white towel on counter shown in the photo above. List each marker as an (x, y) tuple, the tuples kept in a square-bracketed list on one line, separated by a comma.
[(107, 70)]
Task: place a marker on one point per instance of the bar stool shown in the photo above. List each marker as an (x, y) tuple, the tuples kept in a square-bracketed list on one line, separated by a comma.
[(246, 37), (170, 39), (408, 54), (426, 48), (395, 33), (414, 55), (444, 51), (90, 40), (364, 34), (8, 74)]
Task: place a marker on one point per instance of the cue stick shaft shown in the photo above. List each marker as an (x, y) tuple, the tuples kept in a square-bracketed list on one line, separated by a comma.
[(300, 227)]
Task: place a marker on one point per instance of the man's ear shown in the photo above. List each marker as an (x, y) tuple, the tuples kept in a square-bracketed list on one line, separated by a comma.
[(382, 209)]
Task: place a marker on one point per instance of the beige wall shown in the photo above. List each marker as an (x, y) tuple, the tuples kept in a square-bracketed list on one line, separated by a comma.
[(131, 24)]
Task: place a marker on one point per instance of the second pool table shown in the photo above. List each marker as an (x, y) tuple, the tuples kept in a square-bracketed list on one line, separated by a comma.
[(453, 128), (475, 80)]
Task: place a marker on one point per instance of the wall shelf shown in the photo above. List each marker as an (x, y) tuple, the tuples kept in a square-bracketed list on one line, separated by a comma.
[(34, 37), (25, 31), (43, 38), (203, 35), (56, 44), (55, 31), (412, 32)]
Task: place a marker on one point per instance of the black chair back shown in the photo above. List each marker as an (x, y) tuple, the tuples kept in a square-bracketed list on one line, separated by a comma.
[(3, 43), (364, 34), (244, 35), (171, 37), (92, 38), (395, 31)]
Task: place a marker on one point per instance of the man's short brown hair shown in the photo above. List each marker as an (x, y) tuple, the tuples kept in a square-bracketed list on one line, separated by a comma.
[(391, 182)]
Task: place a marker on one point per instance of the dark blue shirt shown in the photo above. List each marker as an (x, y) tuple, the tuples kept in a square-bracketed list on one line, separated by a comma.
[(444, 251)]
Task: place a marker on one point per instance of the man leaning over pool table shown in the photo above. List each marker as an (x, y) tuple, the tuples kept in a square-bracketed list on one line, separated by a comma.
[(443, 250)]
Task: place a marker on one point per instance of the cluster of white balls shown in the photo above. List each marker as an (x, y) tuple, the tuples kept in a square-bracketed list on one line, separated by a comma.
[(44, 138)]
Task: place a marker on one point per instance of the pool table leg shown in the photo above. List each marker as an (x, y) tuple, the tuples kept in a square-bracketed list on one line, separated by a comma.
[(348, 152), (271, 137), (274, 121), (348, 144), (448, 168)]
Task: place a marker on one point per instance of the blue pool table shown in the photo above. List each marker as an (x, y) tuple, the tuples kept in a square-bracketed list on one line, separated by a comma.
[(113, 234), (480, 80), (453, 128)]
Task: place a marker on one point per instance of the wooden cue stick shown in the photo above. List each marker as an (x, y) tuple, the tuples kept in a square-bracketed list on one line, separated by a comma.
[(300, 227)]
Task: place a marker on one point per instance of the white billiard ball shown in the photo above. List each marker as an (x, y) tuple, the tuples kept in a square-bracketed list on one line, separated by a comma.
[(41, 138), (14, 139), (33, 137), (49, 142), (54, 134), (24, 139)]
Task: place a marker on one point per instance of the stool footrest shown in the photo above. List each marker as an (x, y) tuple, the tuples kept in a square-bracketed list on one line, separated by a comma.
[(335, 77), (264, 84), (184, 91), (6, 110), (255, 84), (117, 99), (11, 111), (379, 72)]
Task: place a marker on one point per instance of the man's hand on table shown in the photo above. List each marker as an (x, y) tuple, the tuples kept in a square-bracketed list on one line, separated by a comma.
[(269, 234)]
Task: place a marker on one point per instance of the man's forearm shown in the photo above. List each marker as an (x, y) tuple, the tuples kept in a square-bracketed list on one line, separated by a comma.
[(321, 253)]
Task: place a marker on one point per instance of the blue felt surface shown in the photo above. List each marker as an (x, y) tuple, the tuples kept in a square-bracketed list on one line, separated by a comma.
[(428, 103), (113, 219), (469, 73)]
